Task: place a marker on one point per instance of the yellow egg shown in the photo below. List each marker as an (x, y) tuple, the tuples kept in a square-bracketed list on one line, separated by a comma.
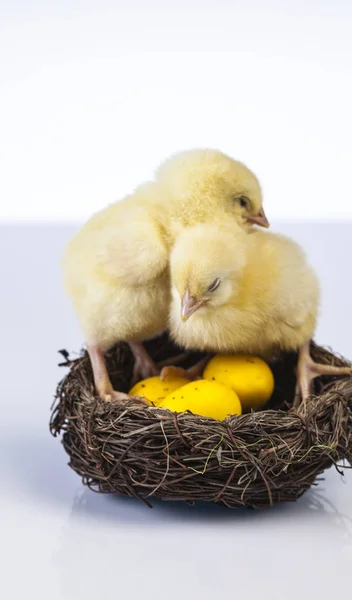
[(205, 398), (155, 390), (249, 376)]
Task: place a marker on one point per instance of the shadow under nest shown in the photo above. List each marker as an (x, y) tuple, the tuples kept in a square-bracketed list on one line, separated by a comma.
[(253, 460)]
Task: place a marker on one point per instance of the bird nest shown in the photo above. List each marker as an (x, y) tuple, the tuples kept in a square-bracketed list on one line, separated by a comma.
[(253, 460)]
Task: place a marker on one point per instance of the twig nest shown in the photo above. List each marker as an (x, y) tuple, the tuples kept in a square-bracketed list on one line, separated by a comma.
[(254, 460)]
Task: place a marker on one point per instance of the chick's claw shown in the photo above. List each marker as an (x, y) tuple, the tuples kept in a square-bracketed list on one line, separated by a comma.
[(192, 373), (174, 372), (114, 396), (144, 366), (143, 369), (308, 370)]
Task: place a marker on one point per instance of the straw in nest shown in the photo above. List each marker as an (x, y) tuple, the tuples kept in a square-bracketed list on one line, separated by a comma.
[(253, 460)]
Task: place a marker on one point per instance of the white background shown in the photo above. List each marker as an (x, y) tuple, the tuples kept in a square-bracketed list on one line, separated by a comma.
[(94, 95)]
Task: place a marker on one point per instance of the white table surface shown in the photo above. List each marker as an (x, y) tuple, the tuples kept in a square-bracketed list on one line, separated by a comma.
[(61, 541)]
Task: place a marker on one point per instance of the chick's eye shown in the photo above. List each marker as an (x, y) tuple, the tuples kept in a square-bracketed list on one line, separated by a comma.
[(243, 201), (214, 285)]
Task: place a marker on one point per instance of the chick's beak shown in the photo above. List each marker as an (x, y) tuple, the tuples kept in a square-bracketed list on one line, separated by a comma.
[(259, 219), (189, 304)]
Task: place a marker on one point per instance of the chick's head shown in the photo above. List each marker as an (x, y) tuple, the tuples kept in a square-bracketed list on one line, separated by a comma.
[(207, 183), (206, 264)]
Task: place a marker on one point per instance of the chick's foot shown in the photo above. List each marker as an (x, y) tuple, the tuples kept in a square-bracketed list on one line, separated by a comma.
[(114, 396), (308, 370), (101, 377), (172, 371), (192, 373), (144, 366)]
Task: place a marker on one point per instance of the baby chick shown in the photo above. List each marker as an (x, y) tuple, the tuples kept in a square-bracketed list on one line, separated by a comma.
[(116, 267), (252, 293), (202, 185)]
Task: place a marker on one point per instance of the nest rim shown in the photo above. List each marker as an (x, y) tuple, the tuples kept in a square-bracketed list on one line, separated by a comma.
[(254, 460)]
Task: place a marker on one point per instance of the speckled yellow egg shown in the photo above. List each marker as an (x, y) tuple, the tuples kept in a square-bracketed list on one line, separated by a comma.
[(155, 390), (205, 398), (249, 376)]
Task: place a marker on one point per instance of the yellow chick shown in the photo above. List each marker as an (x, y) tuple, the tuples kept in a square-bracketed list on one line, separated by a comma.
[(202, 185), (116, 268), (254, 293)]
